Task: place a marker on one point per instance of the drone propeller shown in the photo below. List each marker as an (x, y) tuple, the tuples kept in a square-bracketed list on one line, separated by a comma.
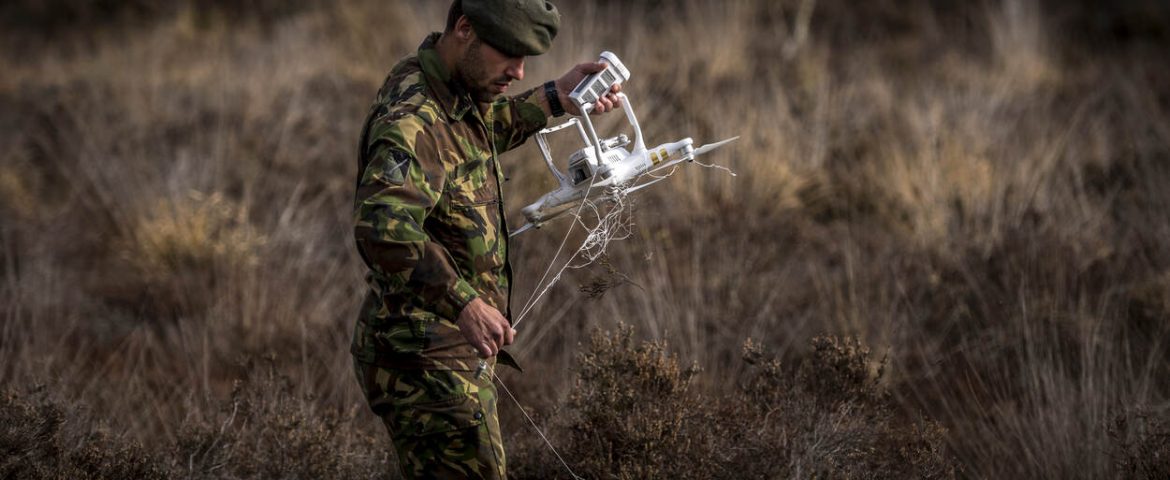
[(520, 230), (644, 185), (712, 146)]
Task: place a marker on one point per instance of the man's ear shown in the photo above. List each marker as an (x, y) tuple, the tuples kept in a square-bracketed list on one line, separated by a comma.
[(463, 30)]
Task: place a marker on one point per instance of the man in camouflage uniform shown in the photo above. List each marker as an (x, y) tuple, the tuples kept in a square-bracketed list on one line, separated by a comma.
[(429, 224)]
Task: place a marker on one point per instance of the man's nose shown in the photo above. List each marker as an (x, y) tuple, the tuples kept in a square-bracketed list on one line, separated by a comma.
[(515, 69)]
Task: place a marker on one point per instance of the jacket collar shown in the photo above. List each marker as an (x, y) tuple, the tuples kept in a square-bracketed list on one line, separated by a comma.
[(451, 97)]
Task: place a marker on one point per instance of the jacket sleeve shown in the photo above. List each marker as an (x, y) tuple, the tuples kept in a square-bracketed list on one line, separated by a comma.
[(399, 186), (514, 119)]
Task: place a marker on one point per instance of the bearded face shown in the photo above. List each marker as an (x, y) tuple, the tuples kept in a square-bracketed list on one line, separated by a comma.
[(485, 72)]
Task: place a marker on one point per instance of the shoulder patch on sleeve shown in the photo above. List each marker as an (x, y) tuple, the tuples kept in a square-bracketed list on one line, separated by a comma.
[(391, 168)]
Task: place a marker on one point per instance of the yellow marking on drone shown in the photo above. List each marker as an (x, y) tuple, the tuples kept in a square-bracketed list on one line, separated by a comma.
[(659, 156)]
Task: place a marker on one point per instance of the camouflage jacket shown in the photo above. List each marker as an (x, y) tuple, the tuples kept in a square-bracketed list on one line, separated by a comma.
[(428, 217)]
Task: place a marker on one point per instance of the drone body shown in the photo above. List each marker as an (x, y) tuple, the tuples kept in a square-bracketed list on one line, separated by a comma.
[(604, 164)]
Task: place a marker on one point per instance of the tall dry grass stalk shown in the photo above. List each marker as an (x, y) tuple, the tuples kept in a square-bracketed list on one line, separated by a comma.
[(974, 191)]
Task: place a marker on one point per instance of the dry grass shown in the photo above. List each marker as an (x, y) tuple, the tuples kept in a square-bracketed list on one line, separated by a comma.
[(974, 191)]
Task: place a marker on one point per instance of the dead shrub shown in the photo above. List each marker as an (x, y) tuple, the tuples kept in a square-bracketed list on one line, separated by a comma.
[(181, 247), (268, 430), (635, 413), (1141, 444), (43, 438), (829, 417), (264, 430), (193, 232), (16, 199)]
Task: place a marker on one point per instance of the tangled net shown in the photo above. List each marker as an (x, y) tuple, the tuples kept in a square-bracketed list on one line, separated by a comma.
[(606, 218), (614, 223)]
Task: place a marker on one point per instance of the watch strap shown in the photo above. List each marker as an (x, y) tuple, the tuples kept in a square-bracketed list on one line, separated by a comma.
[(554, 99)]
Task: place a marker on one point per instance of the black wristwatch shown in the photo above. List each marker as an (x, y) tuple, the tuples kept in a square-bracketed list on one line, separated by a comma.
[(554, 100)]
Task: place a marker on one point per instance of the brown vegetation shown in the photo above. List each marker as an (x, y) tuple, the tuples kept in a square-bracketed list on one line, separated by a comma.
[(975, 192), (634, 413)]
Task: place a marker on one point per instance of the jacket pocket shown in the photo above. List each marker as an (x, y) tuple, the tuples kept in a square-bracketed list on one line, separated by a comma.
[(473, 184), (471, 230)]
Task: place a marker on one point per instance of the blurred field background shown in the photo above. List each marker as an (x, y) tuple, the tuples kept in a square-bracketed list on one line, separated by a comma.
[(947, 242)]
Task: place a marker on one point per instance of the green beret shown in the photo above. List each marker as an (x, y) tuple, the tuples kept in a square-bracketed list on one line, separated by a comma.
[(518, 28)]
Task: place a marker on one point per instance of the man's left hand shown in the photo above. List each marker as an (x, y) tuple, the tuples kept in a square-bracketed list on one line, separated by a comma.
[(569, 81)]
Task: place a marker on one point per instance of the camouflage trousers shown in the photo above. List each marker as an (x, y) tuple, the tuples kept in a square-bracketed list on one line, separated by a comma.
[(443, 423)]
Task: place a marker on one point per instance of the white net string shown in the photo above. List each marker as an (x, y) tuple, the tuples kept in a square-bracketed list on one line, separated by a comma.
[(609, 223), (612, 219), (713, 166), (615, 224)]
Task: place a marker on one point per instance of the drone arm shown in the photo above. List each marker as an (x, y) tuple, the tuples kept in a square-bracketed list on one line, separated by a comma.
[(542, 142), (639, 144)]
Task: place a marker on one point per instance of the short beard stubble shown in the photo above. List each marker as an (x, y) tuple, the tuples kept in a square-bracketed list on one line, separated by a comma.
[(470, 72)]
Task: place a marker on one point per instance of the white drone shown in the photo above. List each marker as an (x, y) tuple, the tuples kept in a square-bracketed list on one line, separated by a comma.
[(604, 164)]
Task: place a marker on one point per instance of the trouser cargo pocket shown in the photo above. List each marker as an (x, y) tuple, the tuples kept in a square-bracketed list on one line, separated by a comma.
[(433, 418)]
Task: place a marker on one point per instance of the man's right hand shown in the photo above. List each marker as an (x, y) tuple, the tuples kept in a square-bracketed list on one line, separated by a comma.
[(485, 328)]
